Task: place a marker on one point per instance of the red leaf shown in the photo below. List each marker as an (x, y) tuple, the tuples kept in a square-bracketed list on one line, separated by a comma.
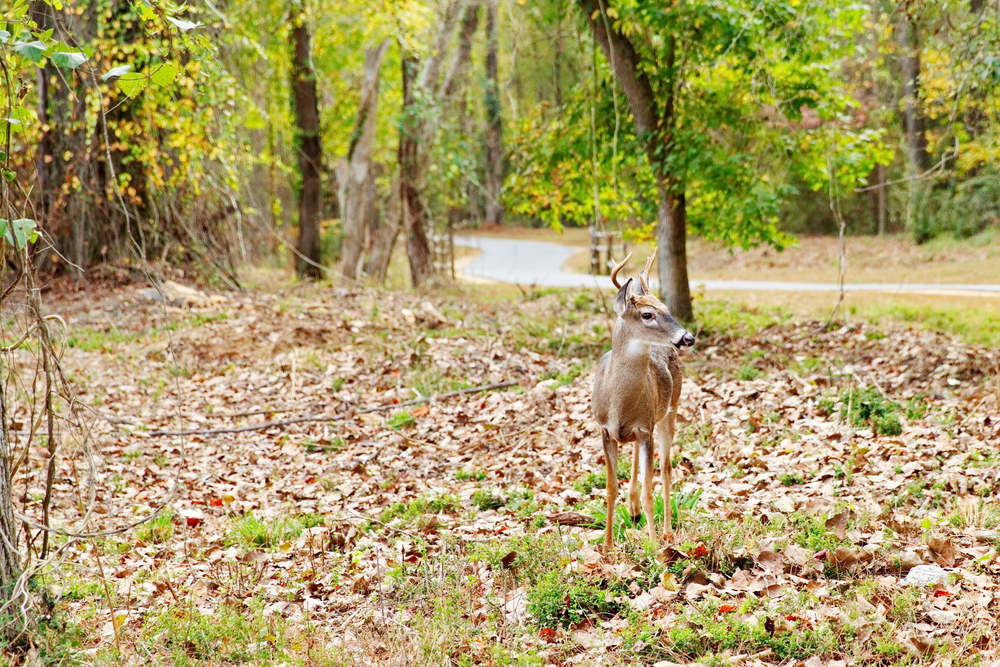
[(310, 479), (547, 632), (193, 521), (941, 593), (726, 608), (215, 502), (701, 549)]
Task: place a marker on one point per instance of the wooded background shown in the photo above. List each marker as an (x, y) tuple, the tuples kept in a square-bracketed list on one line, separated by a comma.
[(215, 134)]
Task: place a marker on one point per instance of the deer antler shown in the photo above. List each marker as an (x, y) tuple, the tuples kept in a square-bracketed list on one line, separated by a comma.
[(614, 271), (644, 276)]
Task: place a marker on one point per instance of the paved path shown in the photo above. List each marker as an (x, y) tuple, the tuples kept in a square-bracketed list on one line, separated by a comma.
[(540, 263)]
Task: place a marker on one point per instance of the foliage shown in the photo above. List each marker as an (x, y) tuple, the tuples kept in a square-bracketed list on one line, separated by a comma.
[(868, 407)]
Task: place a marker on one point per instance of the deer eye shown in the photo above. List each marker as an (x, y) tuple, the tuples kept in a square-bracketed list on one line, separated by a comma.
[(647, 316)]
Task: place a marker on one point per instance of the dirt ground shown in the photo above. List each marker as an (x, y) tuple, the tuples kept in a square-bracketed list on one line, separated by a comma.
[(364, 525)]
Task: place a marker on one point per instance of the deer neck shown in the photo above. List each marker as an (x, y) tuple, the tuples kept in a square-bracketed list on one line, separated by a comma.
[(628, 349)]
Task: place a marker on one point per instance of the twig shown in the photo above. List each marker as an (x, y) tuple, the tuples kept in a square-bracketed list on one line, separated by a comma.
[(384, 525), (334, 417)]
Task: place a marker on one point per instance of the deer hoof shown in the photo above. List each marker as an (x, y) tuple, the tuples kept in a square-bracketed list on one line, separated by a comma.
[(636, 517)]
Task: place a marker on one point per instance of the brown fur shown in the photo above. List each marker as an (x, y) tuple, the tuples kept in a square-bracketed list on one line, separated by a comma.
[(637, 388)]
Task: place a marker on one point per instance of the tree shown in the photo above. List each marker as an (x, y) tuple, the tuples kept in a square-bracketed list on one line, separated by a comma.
[(421, 92), (310, 194), (494, 125), (358, 176), (655, 128)]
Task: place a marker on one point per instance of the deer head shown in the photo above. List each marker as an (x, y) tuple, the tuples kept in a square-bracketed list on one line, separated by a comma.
[(643, 317)]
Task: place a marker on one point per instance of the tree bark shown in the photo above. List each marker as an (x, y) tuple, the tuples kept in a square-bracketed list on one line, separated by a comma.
[(10, 560), (360, 191), (671, 237), (913, 120), (308, 262), (654, 129), (384, 238), (494, 127), (456, 76), (412, 209), (414, 134)]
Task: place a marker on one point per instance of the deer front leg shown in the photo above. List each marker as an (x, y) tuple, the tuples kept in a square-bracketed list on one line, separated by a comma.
[(633, 485), (665, 437), (645, 448), (611, 463)]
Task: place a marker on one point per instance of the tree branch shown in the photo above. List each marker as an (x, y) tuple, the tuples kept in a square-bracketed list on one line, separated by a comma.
[(334, 417)]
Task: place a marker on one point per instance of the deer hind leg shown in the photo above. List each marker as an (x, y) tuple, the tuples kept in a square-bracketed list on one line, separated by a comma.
[(634, 508), (611, 461), (645, 448), (665, 438)]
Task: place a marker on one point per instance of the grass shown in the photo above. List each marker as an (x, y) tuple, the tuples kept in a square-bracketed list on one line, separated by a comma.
[(158, 530), (407, 512), (253, 532)]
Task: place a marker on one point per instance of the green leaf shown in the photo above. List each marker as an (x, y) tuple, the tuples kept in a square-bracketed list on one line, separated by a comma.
[(70, 60), (132, 83), (4, 36), (33, 51), (116, 71), (19, 233), (164, 75), (183, 25), (146, 12)]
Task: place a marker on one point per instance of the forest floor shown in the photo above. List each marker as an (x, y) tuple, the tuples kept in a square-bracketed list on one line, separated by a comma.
[(815, 467)]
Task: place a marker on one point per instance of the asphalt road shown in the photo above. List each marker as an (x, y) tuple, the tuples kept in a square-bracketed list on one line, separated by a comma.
[(539, 263)]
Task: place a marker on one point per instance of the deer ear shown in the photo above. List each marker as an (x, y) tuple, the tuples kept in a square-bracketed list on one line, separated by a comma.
[(622, 300)]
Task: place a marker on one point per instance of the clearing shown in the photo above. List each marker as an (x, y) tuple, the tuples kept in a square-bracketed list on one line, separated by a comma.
[(816, 468)]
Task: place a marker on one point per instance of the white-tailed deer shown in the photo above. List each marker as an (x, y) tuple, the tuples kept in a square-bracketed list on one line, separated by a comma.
[(637, 387)]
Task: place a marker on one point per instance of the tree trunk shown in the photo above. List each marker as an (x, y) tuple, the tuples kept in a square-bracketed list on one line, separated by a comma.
[(412, 210), (913, 120), (308, 264), (494, 142), (10, 560), (384, 238), (671, 237), (359, 194), (654, 129), (456, 76)]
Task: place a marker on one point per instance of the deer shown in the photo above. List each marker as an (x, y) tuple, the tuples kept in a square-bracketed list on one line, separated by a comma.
[(637, 387)]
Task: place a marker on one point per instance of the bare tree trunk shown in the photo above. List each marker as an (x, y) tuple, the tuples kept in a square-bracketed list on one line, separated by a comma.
[(412, 209), (10, 560), (671, 236), (913, 120), (455, 81), (456, 76), (308, 263), (384, 238), (359, 195), (494, 127)]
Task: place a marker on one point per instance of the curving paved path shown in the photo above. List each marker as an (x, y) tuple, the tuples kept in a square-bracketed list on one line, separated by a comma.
[(540, 263)]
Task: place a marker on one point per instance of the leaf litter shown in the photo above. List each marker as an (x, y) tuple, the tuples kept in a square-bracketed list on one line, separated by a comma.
[(351, 532)]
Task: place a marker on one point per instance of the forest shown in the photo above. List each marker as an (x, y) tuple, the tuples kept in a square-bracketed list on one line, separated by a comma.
[(273, 394)]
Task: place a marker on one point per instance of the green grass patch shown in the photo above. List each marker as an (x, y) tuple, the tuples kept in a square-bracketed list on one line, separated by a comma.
[(407, 512), (158, 530), (253, 532)]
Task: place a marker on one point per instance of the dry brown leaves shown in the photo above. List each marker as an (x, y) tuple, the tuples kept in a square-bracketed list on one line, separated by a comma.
[(334, 350)]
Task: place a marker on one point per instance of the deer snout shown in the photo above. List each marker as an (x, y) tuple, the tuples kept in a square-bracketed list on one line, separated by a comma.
[(687, 340)]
